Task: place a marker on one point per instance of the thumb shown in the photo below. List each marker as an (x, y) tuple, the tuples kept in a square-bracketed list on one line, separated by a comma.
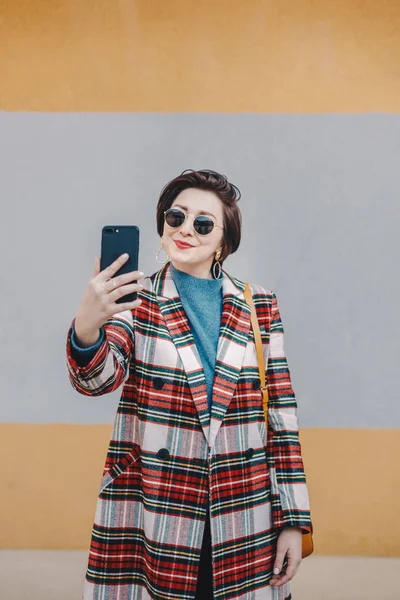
[(278, 564), (96, 270)]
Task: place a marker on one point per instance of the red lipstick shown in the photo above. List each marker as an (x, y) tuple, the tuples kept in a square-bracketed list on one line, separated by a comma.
[(182, 245)]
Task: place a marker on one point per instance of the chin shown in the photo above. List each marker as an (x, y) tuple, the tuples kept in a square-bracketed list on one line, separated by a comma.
[(180, 257)]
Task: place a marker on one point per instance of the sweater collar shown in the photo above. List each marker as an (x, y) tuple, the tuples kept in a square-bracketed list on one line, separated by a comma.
[(164, 286), (191, 283)]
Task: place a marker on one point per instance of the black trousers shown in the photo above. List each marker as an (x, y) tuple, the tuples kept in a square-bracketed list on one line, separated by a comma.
[(204, 590)]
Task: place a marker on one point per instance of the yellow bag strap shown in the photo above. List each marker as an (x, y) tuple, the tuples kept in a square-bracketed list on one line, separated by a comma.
[(307, 539), (259, 350)]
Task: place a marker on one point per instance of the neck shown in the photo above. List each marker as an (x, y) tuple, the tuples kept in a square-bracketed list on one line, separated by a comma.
[(202, 271)]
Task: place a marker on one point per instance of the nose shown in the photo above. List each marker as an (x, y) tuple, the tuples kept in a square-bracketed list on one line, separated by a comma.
[(187, 227)]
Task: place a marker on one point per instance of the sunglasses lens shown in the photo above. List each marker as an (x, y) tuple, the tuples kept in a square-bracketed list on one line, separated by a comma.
[(174, 217), (203, 225)]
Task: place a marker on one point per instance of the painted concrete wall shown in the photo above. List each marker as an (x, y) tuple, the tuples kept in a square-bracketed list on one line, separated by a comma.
[(298, 105)]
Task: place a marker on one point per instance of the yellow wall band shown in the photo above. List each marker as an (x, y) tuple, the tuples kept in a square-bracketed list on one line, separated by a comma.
[(289, 56), (51, 475)]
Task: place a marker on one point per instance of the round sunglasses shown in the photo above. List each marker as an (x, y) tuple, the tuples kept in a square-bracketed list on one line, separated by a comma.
[(203, 224)]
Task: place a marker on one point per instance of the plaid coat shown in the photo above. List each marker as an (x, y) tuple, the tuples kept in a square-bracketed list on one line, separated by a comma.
[(168, 458)]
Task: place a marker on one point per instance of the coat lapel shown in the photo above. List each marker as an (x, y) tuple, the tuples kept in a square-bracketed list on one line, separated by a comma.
[(232, 341), (179, 328)]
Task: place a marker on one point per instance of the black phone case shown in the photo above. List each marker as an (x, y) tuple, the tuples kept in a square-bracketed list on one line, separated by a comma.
[(116, 240)]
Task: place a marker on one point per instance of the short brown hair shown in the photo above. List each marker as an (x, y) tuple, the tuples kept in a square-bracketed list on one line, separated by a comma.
[(211, 181)]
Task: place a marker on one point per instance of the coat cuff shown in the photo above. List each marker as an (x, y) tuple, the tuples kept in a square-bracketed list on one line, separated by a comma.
[(84, 356), (304, 528)]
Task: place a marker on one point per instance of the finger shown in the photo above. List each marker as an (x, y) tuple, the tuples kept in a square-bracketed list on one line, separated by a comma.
[(123, 290), (291, 570), (287, 574), (126, 306), (127, 278), (278, 576), (282, 579), (96, 269), (109, 271)]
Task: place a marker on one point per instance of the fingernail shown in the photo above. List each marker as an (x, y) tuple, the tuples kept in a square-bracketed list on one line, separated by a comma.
[(276, 571), (141, 273)]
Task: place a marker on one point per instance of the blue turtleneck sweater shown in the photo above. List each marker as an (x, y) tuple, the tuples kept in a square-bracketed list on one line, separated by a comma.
[(202, 302)]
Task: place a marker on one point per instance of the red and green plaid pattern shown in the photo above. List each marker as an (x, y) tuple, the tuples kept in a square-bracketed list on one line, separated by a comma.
[(168, 458)]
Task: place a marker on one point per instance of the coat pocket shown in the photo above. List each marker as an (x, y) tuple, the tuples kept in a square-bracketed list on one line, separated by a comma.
[(118, 468)]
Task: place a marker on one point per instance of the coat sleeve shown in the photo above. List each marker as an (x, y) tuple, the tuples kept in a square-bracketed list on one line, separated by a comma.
[(290, 500), (109, 367)]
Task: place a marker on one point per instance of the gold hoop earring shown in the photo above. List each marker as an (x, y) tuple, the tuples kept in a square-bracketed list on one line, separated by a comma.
[(162, 262), (217, 257)]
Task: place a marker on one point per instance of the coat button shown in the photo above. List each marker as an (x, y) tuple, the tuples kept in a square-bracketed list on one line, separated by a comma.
[(163, 453), (256, 384), (249, 452), (158, 383)]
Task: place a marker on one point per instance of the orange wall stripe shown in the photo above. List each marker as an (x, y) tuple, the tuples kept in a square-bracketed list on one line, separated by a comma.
[(290, 56), (51, 476)]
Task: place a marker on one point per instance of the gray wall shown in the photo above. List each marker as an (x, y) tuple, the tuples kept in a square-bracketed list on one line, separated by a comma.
[(321, 222)]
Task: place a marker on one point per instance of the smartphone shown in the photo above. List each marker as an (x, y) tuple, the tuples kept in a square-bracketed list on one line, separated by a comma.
[(116, 240)]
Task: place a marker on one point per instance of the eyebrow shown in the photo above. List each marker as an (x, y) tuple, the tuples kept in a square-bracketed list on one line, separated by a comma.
[(201, 212)]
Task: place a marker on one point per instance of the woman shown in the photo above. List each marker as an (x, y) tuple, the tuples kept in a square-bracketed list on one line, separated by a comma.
[(196, 502)]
